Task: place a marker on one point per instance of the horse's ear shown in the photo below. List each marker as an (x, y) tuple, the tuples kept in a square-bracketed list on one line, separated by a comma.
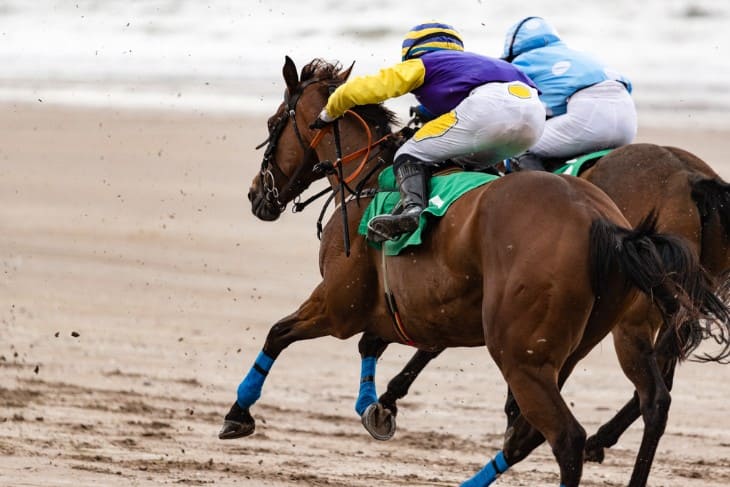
[(290, 74), (346, 73)]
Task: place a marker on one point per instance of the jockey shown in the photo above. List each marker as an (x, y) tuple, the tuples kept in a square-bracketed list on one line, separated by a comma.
[(589, 107), (484, 110)]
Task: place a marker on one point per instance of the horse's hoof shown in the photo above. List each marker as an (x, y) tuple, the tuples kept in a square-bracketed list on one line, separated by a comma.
[(379, 422), (233, 429), (594, 453), (237, 423)]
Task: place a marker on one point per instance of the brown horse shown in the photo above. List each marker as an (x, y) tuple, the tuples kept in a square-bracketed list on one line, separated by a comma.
[(690, 200), (483, 275)]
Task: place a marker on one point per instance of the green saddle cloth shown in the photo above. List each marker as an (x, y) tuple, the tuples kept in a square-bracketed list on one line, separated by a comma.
[(443, 192), (573, 166)]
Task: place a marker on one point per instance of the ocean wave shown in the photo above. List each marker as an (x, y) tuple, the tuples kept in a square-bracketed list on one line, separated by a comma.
[(674, 51)]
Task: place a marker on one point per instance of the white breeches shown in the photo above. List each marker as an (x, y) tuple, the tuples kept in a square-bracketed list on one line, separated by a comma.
[(601, 116), (496, 121)]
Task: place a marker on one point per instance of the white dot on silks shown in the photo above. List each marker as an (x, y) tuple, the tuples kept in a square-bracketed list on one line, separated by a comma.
[(560, 67)]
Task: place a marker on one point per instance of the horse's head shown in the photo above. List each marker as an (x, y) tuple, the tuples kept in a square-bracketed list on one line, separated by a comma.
[(287, 167), (293, 149)]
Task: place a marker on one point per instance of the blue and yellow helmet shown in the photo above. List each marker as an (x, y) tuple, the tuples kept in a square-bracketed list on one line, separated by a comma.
[(432, 36)]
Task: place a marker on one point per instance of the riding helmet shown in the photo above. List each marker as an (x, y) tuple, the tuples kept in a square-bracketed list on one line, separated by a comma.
[(432, 36), (527, 34)]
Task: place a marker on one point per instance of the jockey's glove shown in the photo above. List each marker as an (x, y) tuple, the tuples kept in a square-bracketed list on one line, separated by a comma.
[(322, 120), (420, 114)]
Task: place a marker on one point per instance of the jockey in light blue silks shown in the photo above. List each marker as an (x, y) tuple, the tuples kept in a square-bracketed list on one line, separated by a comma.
[(589, 106)]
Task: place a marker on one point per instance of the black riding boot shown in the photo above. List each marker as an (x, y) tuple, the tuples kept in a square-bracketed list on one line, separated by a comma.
[(527, 161), (412, 177)]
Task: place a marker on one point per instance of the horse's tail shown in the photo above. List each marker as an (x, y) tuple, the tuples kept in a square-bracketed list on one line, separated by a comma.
[(663, 267), (712, 197)]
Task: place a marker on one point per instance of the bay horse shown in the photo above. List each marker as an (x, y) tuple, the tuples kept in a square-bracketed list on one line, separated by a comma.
[(690, 200), (483, 275)]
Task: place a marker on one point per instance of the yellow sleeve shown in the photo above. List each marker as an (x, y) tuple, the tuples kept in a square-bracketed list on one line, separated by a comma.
[(388, 83)]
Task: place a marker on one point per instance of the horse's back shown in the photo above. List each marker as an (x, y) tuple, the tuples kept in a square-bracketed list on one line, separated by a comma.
[(540, 204), (645, 178)]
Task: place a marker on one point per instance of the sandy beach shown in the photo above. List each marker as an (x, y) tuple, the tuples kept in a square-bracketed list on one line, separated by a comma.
[(137, 288)]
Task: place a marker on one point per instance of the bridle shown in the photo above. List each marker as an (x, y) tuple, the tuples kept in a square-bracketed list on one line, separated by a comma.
[(269, 165), (270, 170)]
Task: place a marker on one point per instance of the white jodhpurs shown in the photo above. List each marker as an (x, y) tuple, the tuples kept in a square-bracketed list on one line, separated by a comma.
[(602, 116), (496, 121)]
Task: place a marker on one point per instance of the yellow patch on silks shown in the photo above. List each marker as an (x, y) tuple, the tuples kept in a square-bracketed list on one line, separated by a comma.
[(436, 127), (519, 90)]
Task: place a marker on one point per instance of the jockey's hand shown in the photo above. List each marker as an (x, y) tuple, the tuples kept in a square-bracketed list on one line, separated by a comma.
[(420, 115), (322, 120)]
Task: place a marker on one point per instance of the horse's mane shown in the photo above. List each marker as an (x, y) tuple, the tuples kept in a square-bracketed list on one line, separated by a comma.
[(376, 114)]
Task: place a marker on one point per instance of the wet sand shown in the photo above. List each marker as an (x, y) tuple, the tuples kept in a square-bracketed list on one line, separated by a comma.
[(137, 288)]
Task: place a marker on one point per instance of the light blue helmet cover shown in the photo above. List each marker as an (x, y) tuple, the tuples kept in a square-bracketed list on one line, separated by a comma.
[(527, 34)]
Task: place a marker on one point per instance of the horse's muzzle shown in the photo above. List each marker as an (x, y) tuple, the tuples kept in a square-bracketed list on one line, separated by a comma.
[(262, 208)]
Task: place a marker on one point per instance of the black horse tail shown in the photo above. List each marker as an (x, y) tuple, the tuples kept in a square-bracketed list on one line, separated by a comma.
[(665, 268), (712, 197)]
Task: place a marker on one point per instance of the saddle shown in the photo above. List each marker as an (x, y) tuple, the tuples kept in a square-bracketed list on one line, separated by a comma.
[(577, 165), (445, 187), (449, 182)]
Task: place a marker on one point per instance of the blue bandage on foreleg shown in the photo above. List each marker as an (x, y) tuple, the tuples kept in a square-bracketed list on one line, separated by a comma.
[(249, 390), (493, 469), (367, 395)]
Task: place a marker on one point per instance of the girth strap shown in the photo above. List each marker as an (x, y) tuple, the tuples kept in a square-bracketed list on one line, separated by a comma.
[(400, 330)]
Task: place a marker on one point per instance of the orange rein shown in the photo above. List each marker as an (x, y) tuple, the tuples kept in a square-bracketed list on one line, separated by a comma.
[(354, 155)]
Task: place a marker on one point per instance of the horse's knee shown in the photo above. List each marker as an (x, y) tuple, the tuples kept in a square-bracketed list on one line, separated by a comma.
[(371, 346), (278, 339)]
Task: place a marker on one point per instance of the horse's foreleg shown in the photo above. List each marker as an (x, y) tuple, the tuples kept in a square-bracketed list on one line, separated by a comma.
[(634, 348), (379, 422), (379, 417), (511, 409), (309, 321)]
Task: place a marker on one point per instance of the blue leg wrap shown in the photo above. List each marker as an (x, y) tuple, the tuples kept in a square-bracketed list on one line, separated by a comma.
[(249, 390), (497, 466), (367, 394)]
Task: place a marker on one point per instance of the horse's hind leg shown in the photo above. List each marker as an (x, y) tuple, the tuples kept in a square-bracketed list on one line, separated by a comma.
[(309, 321), (379, 417), (607, 435), (544, 414), (536, 391), (634, 348), (400, 384)]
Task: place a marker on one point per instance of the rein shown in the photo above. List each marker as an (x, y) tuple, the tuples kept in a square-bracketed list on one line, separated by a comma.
[(270, 170), (269, 166)]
